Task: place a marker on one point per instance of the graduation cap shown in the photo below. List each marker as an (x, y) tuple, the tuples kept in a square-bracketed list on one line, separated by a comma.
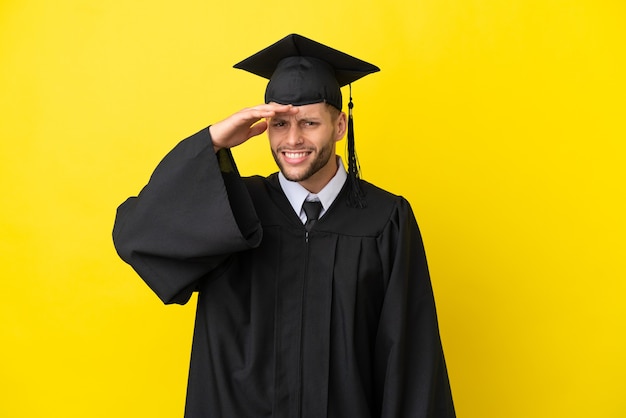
[(302, 71)]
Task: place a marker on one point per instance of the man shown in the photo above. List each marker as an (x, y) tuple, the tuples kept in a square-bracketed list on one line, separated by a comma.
[(314, 294)]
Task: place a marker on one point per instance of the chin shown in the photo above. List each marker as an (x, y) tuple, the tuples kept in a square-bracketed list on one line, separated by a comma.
[(296, 176), (304, 172)]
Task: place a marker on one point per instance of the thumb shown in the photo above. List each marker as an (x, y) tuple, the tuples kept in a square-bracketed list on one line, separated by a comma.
[(257, 129)]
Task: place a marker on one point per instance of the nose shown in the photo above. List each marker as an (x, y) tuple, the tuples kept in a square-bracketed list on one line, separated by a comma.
[(294, 135)]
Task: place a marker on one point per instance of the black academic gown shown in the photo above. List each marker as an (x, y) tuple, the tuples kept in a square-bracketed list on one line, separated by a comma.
[(339, 322)]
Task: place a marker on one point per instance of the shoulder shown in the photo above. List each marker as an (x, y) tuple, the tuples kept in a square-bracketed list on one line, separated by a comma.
[(383, 210), (379, 195), (383, 201), (259, 185), (267, 195)]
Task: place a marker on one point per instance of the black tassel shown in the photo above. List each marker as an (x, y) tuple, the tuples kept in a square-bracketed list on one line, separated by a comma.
[(356, 198)]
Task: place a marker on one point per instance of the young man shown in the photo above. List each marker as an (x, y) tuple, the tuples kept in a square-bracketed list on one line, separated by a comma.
[(314, 294)]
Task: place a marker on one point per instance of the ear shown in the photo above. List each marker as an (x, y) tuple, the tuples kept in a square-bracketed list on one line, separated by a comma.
[(341, 125)]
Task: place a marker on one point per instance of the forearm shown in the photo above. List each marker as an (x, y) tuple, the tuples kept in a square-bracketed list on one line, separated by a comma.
[(181, 225)]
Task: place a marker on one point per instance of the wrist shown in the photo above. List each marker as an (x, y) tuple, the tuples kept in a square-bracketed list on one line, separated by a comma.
[(216, 147)]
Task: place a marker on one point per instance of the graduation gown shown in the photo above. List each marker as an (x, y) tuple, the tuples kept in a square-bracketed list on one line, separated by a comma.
[(338, 322)]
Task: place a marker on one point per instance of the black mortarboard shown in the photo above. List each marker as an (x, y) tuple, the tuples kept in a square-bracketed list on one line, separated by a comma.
[(302, 71)]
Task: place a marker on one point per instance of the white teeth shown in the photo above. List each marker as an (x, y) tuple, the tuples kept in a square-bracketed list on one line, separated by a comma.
[(295, 154)]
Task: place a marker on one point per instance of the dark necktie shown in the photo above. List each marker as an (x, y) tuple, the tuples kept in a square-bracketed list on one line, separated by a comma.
[(312, 210)]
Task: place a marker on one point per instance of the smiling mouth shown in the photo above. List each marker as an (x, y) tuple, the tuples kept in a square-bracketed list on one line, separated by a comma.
[(294, 155)]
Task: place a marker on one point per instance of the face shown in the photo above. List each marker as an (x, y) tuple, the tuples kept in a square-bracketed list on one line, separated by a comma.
[(303, 145)]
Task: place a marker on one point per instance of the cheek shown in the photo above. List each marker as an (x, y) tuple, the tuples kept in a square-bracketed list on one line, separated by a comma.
[(331, 136), (273, 138)]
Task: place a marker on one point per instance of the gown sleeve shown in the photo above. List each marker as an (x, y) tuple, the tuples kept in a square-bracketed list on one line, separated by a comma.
[(194, 212), (409, 365)]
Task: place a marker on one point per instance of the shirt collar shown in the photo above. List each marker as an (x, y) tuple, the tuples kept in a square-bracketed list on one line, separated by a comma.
[(296, 194)]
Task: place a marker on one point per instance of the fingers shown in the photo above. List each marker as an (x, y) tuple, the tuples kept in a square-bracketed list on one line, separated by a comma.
[(257, 129), (270, 110), (246, 124), (265, 111)]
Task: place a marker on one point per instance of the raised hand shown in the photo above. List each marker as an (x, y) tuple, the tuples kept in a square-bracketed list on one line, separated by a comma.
[(243, 125)]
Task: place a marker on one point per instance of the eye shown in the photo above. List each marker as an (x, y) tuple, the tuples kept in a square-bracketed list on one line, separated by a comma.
[(309, 123), (278, 123)]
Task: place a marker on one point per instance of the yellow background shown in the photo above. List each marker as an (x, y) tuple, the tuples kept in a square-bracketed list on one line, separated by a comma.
[(503, 123)]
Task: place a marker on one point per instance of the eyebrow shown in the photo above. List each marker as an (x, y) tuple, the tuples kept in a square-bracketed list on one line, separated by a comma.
[(308, 117), (298, 118)]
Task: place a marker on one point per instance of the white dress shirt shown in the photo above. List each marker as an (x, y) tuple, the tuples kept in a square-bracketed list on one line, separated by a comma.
[(296, 194)]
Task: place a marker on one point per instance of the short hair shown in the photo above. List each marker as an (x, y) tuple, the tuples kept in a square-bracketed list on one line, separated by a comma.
[(334, 112)]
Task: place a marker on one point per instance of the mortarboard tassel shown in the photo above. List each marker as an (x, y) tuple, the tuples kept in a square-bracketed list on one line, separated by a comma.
[(356, 198)]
